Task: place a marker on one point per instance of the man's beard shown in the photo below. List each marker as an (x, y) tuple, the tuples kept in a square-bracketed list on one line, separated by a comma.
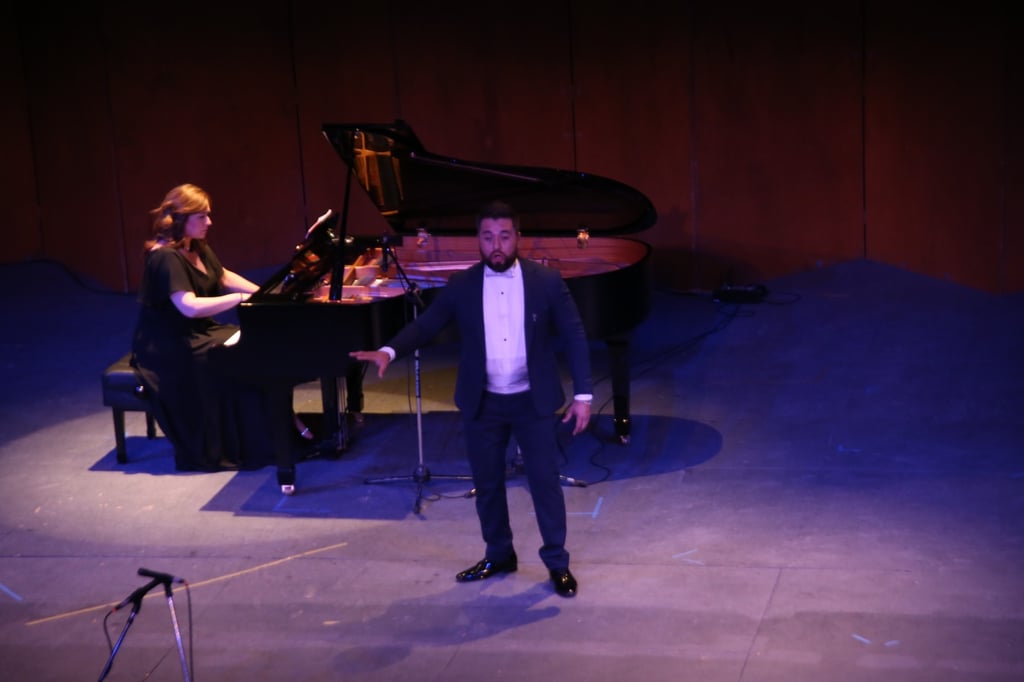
[(501, 267)]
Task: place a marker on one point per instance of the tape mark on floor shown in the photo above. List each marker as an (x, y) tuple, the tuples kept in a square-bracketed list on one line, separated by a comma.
[(683, 555), (201, 583), (592, 514), (14, 596)]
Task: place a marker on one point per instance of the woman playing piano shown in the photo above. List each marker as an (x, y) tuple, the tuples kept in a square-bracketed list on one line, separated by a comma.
[(213, 421)]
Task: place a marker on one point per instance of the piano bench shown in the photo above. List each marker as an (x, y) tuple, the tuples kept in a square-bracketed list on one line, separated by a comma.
[(123, 392)]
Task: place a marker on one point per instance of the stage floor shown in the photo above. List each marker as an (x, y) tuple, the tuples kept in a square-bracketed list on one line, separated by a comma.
[(827, 485)]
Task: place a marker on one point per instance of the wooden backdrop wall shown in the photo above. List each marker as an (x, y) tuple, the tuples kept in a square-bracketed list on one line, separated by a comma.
[(770, 139)]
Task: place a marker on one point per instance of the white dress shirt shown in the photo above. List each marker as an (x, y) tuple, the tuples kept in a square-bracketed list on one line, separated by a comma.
[(504, 331)]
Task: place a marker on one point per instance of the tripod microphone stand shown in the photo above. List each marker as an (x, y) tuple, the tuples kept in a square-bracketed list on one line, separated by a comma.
[(135, 599), (421, 475)]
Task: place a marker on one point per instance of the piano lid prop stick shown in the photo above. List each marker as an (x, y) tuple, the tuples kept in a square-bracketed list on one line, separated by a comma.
[(338, 268)]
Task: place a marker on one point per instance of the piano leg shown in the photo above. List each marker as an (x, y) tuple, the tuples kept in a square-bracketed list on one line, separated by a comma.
[(618, 361), (281, 399), (335, 438), (286, 478), (333, 442)]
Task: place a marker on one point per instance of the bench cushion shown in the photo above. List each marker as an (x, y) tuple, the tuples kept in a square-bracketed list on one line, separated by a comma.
[(122, 387)]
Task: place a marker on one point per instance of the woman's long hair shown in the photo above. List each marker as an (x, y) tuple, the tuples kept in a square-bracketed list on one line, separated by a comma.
[(170, 216)]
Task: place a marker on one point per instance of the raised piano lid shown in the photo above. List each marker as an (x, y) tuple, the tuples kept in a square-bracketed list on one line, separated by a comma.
[(414, 189), (569, 220)]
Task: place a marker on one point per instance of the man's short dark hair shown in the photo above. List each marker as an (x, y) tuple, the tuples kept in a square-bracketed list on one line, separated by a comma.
[(497, 209)]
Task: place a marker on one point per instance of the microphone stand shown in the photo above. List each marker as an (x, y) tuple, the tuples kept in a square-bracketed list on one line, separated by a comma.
[(135, 599), (421, 475)]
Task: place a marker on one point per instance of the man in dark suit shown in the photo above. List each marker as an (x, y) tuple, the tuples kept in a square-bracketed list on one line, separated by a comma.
[(508, 384)]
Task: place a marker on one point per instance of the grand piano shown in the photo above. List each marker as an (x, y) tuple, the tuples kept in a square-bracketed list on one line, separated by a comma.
[(339, 293)]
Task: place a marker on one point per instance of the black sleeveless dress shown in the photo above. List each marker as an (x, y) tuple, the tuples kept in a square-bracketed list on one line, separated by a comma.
[(213, 421)]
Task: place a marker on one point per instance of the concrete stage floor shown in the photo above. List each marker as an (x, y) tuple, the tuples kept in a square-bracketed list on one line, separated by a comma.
[(828, 485)]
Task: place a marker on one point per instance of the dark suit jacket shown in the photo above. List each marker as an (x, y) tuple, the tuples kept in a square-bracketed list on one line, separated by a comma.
[(549, 311)]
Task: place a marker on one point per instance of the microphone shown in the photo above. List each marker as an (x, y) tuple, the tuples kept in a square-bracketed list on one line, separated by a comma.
[(160, 577), (156, 578), (136, 596)]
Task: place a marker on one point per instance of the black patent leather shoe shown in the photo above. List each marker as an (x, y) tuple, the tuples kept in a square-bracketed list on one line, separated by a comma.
[(485, 568), (564, 582)]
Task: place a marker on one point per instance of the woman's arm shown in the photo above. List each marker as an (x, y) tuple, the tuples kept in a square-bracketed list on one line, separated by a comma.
[(190, 305), (232, 281)]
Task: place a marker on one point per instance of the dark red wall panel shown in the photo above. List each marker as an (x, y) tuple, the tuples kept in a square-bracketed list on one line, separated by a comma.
[(470, 88), (777, 137), (1010, 263), (771, 138), (72, 138), (481, 85), (344, 65), (213, 105), (632, 118), (19, 214), (934, 141)]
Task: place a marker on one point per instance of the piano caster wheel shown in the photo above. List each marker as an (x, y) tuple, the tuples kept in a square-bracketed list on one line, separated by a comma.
[(622, 430), (286, 479)]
